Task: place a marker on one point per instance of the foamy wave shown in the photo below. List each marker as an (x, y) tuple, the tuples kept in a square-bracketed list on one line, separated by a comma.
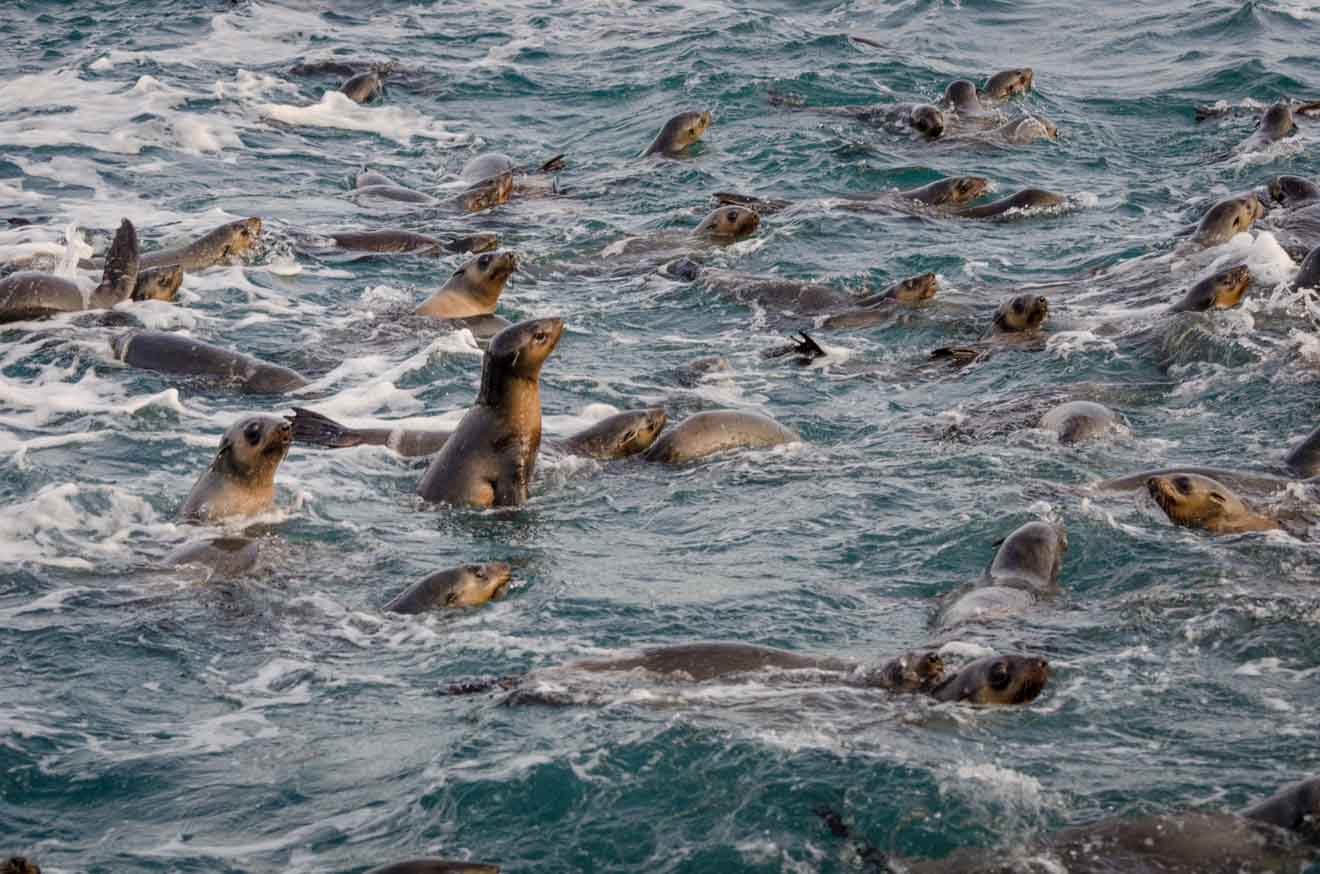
[(336, 110)]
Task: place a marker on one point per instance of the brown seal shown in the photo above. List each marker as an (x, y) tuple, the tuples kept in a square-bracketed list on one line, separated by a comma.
[(1021, 314), (18, 865), (241, 479), (678, 133), (407, 241), (490, 458), (1226, 219), (707, 433), (225, 242), (619, 436), (728, 223), (1006, 83), (469, 585), (29, 294), (996, 680), (167, 352), (473, 289), (953, 190), (1196, 501), (368, 85), (1222, 291), (158, 283)]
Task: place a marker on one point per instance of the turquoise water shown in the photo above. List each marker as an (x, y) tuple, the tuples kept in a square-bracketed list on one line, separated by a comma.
[(282, 722)]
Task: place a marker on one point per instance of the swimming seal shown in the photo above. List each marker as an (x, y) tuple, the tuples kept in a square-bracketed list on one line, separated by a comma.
[(678, 133), (952, 190), (1293, 190), (224, 556), (368, 85), (1222, 291), (996, 680), (158, 283), (1025, 130), (876, 308), (436, 866), (1196, 501), (728, 223), (618, 436), (480, 196), (490, 458), (1226, 219), (469, 585), (473, 289), (924, 118), (1006, 83), (1075, 421), (493, 164), (166, 352), (1026, 199), (407, 241), (241, 479), (1025, 570), (1021, 314), (29, 294), (964, 98), (226, 241), (703, 434), (1308, 275), (955, 190), (1274, 125)]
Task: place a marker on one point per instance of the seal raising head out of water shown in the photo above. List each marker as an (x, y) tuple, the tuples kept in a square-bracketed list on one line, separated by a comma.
[(678, 133), (1226, 219), (473, 290), (1196, 501), (1222, 291), (1026, 312), (241, 479), (29, 294), (489, 459), (469, 585)]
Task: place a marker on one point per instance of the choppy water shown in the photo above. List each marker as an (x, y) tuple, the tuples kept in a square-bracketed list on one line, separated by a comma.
[(281, 722)]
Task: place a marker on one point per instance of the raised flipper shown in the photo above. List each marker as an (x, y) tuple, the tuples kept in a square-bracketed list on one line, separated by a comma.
[(310, 426), (121, 267), (803, 347)]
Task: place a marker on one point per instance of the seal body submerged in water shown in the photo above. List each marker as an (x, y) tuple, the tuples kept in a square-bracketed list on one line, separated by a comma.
[(1075, 421), (489, 459), (481, 196), (226, 241), (1196, 501), (473, 289), (1222, 291), (166, 352), (678, 133), (949, 191), (241, 479), (1026, 199), (29, 294), (1025, 569), (706, 433), (618, 436), (407, 241), (468, 585)]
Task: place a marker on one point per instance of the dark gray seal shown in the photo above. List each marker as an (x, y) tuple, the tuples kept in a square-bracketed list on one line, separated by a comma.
[(619, 436), (1226, 219), (1274, 125), (525, 180), (29, 294), (1308, 275), (996, 680), (407, 241), (1026, 200), (1292, 191), (1222, 291), (1025, 570), (171, 353), (1021, 314), (478, 197), (678, 133), (469, 585), (223, 556), (1076, 421), (217, 246), (924, 118), (436, 866), (241, 479), (491, 456), (707, 433)]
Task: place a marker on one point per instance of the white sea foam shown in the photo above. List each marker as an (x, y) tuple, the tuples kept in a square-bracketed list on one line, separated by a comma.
[(337, 110)]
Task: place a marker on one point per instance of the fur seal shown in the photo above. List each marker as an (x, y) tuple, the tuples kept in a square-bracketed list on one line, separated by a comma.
[(678, 133), (1025, 130), (407, 241), (1021, 314), (166, 352), (490, 458), (1026, 199), (19, 865), (1222, 291), (224, 242), (473, 289), (963, 97), (996, 680), (241, 479), (1293, 190), (158, 283), (618, 436), (1025, 570), (224, 556), (1304, 458), (368, 85), (28, 294), (924, 118), (952, 190), (1274, 125), (469, 585), (703, 434), (1308, 275), (1226, 219), (480, 196), (1006, 83), (1196, 501), (1075, 421), (879, 307), (492, 164), (728, 223), (1238, 478), (436, 866)]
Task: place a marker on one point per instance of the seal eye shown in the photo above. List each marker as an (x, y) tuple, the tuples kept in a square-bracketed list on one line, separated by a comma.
[(1017, 306), (1218, 498), (733, 216), (479, 572), (253, 433), (540, 336), (999, 676), (483, 261), (1184, 484)]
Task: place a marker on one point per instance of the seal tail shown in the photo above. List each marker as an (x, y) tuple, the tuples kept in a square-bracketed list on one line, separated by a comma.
[(121, 264), (487, 684), (310, 426), (803, 346)]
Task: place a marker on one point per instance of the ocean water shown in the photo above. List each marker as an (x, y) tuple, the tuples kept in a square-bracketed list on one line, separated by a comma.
[(155, 721)]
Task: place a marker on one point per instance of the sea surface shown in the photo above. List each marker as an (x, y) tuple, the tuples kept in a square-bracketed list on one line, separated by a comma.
[(152, 720)]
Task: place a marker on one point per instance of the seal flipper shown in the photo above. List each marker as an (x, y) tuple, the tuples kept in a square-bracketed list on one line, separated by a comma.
[(803, 346), (554, 165), (310, 426), (121, 268)]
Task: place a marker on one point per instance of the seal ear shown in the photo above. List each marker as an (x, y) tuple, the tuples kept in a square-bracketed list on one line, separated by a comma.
[(1217, 498)]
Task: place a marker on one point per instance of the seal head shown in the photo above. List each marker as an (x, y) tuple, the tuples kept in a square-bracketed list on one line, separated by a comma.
[(1291, 190), (159, 283), (996, 680), (241, 479), (728, 223), (678, 133), (955, 190), (1026, 312), (1006, 83), (914, 289), (619, 436), (927, 120), (469, 585), (474, 288), (1222, 291), (1196, 501), (1227, 218), (963, 96)]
